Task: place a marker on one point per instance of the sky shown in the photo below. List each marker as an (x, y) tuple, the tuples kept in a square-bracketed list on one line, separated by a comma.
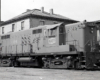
[(74, 9)]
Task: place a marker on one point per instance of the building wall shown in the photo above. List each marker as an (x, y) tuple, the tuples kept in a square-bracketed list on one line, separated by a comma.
[(37, 21), (34, 22), (8, 27), (29, 23)]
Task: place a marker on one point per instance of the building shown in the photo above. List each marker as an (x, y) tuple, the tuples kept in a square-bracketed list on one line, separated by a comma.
[(32, 18)]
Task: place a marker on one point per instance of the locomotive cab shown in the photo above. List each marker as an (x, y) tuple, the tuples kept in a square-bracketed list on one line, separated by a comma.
[(55, 35), (54, 39)]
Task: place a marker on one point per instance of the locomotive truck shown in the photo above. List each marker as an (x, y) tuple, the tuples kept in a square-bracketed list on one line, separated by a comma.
[(52, 46)]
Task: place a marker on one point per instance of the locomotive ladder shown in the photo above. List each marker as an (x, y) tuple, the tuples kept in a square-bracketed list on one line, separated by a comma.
[(82, 60), (81, 63), (82, 57)]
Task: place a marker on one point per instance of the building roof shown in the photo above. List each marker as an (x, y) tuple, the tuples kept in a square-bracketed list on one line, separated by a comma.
[(38, 13)]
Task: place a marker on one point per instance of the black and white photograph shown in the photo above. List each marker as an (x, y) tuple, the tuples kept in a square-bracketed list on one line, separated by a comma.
[(49, 39)]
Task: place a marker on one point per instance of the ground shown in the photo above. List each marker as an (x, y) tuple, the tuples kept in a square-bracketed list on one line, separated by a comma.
[(11, 73)]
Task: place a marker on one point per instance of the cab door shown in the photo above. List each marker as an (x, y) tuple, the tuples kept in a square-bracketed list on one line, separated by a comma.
[(62, 34)]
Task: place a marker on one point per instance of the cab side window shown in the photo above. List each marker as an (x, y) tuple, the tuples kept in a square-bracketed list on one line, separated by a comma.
[(52, 32), (37, 31)]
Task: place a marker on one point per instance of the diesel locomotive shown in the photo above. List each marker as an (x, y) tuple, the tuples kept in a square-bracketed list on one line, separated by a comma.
[(52, 46)]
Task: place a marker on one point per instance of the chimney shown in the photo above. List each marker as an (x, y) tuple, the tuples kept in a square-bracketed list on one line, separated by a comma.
[(51, 11), (42, 9)]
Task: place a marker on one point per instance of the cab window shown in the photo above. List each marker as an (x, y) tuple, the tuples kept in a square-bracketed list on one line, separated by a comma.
[(52, 32), (37, 31)]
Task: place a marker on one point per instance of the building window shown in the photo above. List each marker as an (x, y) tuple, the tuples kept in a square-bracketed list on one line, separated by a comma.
[(2, 30), (22, 25), (39, 30), (42, 22), (13, 27)]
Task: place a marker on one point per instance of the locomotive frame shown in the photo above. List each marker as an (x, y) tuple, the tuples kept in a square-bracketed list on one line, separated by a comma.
[(52, 46)]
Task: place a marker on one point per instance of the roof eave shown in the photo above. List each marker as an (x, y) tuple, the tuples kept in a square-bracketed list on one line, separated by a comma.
[(33, 15)]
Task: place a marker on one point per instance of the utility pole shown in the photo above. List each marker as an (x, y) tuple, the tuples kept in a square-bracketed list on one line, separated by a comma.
[(0, 10)]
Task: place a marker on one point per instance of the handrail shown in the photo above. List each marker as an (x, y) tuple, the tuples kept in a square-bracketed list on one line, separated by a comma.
[(74, 43)]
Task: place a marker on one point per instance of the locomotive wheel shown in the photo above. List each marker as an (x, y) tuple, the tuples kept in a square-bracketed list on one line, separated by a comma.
[(47, 66), (16, 64), (69, 64), (77, 65), (11, 64)]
